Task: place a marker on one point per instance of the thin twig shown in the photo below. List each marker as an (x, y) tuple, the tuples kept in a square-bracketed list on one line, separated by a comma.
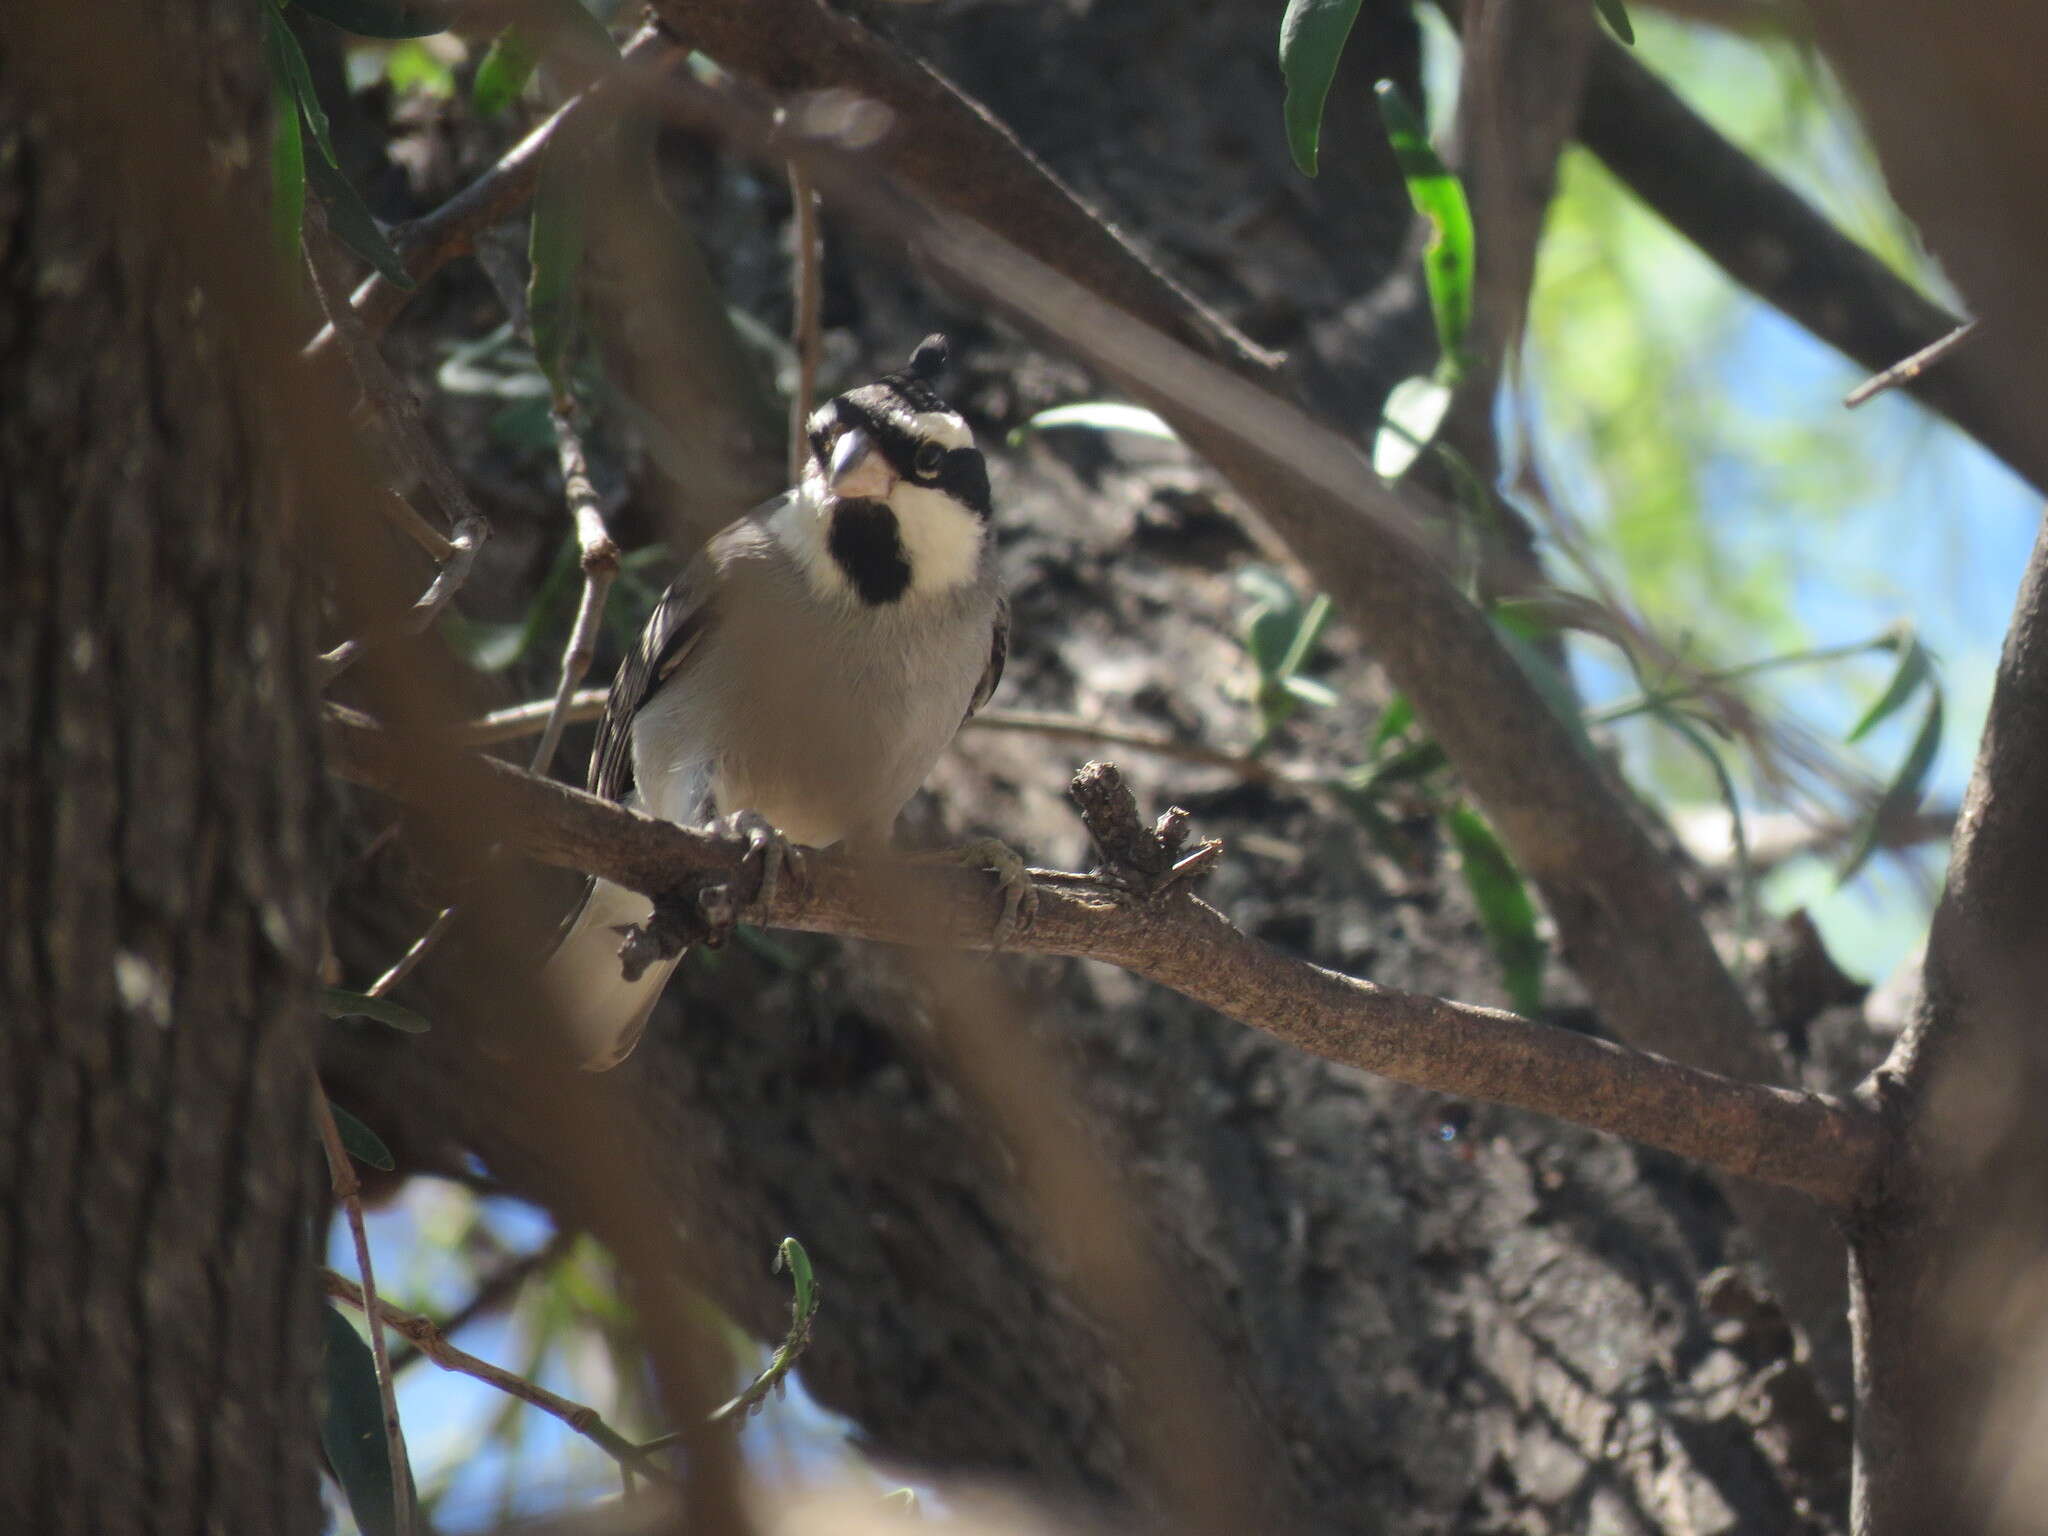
[(517, 720), (1907, 369), (808, 260), (600, 561), (399, 410), (496, 1289), (348, 1192), (432, 1342), (421, 947), (430, 242)]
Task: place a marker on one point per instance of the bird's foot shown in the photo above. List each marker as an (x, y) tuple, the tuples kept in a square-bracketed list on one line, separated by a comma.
[(767, 849), (1020, 892)]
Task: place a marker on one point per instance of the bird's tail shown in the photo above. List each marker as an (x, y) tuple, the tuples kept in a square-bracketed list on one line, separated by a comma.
[(603, 1012)]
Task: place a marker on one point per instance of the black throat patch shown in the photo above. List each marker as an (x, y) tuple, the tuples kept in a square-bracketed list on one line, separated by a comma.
[(865, 542)]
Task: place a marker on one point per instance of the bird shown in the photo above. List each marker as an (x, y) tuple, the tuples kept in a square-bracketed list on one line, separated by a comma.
[(796, 683)]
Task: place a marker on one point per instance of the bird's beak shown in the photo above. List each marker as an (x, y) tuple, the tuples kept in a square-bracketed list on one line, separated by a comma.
[(858, 472)]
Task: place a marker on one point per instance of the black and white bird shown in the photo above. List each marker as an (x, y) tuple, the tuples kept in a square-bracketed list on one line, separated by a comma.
[(803, 674)]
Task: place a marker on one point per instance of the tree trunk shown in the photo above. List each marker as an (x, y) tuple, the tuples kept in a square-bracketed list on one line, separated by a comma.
[(158, 921)]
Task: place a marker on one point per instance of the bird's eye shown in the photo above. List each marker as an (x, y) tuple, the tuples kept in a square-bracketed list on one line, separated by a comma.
[(929, 457)]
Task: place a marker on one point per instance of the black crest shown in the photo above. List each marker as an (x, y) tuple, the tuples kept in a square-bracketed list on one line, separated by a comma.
[(929, 358)]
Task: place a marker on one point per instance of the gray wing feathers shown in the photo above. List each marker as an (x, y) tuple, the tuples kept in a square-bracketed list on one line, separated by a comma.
[(998, 653)]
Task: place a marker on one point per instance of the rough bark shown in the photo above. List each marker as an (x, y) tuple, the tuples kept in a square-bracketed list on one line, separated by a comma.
[(158, 924)]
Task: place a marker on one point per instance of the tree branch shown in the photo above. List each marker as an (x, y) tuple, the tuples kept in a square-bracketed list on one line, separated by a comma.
[(432, 1342), (1779, 246), (1801, 1141)]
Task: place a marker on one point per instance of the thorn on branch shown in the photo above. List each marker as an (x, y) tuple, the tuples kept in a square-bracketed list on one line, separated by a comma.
[(1144, 861)]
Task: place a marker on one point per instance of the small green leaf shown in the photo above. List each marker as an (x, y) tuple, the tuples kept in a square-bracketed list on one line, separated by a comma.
[(1099, 416), (1394, 719), (1312, 36), (1306, 634), (1438, 195), (503, 73), (352, 1425), (1274, 621), (1505, 910), (363, 1144), (339, 1003), (1915, 669), (1415, 409), (413, 69), (1417, 760), (288, 64), (350, 219), (1615, 14), (1309, 690), (380, 18), (1902, 794), (803, 1280), (287, 177)]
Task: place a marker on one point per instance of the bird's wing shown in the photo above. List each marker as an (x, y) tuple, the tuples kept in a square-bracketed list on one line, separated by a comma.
[(998, 653), (678, 624)]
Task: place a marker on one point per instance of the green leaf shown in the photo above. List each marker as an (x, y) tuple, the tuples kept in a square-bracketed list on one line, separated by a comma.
[(288, 64), (1274, 622), (1415, 409), (1309, 690), (1417, 760), (1306, 634), (413, 69), (1394, 719), (554, 252), (1438, 195), (287, 177), (1312, 36), (339, 1003), (1099, 416), (380, 18), (1902, 794), (363, 1144), (803, 1280), (350, 219), (1616, 17), (503, 73), (352, 1425), (1505, 910), (1915, 669)]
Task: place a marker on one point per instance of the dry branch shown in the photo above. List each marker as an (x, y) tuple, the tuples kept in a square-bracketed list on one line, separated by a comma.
[(1800, 1141), (432, 1341)]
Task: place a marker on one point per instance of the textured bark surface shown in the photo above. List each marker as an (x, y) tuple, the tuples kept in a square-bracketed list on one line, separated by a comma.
[(158, 917)]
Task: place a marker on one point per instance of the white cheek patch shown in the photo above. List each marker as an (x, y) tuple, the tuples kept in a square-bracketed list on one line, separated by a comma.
[(943, 428), (942, 539)]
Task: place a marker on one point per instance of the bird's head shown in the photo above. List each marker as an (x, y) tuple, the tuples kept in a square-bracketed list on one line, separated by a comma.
[(896, 491)]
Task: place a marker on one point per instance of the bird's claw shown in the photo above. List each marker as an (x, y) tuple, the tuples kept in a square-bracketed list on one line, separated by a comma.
[(775, 854), (1020, 892)]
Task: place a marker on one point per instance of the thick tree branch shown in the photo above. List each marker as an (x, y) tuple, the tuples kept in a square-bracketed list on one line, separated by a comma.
[(1751, 1130), (1780, 247)]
